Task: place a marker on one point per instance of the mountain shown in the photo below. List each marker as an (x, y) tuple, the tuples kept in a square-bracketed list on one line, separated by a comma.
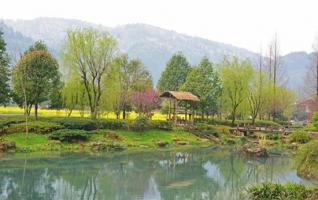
[(16, 42), (153, 45), (295, 65)]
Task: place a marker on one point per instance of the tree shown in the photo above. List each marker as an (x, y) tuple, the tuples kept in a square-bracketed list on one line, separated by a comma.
[(175, 73), (235, 76), (133, 76), (56, 96), (204, 82), (145, 101), (73, 94), (90, 53), (34, 77), (4, 73)]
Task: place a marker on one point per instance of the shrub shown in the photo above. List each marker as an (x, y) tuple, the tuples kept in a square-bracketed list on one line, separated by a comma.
[(69, 135), (162, 125), (307, 160), (273, 136), (300, 136), (112, 124), (272, 191), (315, 120), (78, 123), (42, 127), (141, 123)]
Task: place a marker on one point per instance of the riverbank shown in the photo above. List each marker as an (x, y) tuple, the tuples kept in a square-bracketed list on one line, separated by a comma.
[(82, 134)]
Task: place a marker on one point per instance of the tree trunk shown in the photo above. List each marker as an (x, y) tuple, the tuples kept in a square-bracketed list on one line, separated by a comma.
[(36, 111), (124, 113)]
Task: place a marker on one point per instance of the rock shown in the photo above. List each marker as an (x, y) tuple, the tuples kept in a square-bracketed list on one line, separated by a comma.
[(7, 146), (255, 149)]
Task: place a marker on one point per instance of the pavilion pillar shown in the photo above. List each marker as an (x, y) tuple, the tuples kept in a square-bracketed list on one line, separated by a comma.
[(175, 110), (169, 108)]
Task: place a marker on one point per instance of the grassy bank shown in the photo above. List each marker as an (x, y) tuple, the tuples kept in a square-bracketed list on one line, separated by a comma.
[(108, 140)]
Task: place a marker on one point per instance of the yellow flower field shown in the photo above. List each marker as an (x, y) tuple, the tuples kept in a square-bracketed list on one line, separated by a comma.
[(75, 113)]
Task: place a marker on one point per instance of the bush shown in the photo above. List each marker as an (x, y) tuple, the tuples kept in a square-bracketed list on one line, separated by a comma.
[(162, 125), (35, 127), (78, 123), (112, 124), (141, 123), (259, 123), (69, 135), (307, 160), (272, 191), (273, 136), (300, 136)]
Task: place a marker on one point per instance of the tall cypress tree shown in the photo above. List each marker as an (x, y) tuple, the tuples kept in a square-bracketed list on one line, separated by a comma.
[(175, 73), (4, 73)]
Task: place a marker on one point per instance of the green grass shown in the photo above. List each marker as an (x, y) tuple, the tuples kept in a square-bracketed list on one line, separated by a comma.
[(27, 141), (131, 139)]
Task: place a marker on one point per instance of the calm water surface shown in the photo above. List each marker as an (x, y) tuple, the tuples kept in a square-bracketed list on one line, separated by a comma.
[(205, 173)]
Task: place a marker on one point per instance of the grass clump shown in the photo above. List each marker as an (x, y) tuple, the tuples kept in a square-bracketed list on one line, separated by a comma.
[(307, 159), (300, 136), (271, 191)]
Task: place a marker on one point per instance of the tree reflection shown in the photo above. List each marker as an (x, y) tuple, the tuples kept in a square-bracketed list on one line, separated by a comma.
[(192, 174)]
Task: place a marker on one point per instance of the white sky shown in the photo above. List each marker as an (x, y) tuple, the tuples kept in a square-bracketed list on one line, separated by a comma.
[(245, 23)]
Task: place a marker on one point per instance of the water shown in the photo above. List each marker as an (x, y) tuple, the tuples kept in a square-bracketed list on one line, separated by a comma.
[(205, 173)]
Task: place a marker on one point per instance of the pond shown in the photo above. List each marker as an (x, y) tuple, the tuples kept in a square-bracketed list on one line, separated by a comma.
[(201, 173)]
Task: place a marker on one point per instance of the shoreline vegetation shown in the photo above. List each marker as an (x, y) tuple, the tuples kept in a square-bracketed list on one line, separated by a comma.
[(118, 95)]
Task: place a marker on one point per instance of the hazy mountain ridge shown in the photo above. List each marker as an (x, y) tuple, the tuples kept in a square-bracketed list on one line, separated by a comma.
[(153, 45)]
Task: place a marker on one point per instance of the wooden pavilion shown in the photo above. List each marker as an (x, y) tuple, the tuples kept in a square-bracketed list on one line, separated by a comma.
[(175, 97)]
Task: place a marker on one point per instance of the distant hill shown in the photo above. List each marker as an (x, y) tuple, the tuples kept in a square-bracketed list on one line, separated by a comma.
[(153, 45)]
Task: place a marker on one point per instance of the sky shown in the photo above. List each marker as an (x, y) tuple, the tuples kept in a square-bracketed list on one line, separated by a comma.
[(249, 24)]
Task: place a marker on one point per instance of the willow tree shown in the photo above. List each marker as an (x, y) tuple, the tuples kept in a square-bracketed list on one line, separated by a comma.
[(74, 95), (235, 76), (90, 53)]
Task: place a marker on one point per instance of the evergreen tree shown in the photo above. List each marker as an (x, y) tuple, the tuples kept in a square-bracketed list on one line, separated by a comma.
[(175, 73), (4, 73)]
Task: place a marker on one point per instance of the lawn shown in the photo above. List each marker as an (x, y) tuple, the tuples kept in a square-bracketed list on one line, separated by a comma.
[(130, 139)]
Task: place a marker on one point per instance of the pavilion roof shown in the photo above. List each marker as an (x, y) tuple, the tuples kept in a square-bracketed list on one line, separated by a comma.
[(179, 95)]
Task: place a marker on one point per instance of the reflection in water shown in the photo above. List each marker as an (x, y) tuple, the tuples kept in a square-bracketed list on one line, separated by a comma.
[(206, 173)]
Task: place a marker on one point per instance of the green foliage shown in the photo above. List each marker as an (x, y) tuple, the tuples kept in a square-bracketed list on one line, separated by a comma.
[(133, 77), (204, 82), (307, 159), (34, 77), (300, 136), (67, 135), (175, 73), (270, 191), (41, 127), (162, 125), (141, 123), (112, 124), (78, 123), (89, 54), (258, 123), (273, 136), (4, 73), (236, 76), (315, 120)]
